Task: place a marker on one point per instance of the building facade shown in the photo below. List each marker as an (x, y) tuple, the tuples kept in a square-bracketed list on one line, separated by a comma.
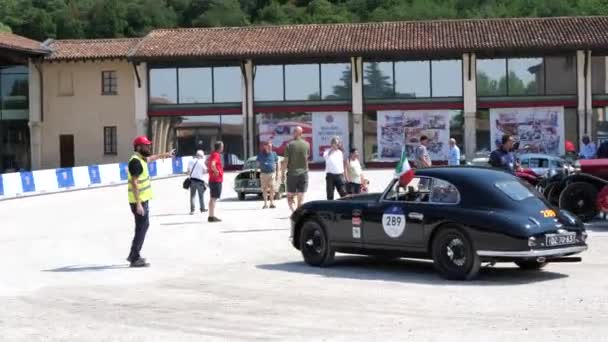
[(379, 85)]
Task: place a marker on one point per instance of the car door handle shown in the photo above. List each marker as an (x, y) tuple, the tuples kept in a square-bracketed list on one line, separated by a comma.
[(415, 216)]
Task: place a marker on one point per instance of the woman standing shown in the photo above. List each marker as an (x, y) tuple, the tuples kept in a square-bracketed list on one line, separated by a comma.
[(355, 173)]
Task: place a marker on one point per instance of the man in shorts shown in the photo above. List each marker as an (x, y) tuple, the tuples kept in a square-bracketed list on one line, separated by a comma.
[(216, 177), (268, 162), (296, 163)]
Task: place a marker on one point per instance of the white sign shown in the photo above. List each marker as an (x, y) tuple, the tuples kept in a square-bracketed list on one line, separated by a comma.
[(398, 127), (541, 128), (393, 222), (326, 126)]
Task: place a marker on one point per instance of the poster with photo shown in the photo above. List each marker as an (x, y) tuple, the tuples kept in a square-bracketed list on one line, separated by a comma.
[(280, 128), (325, 126), (398, 127), (541, 129)]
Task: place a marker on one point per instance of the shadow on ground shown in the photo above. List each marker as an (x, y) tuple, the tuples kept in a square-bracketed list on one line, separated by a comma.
[(597, 225), (180, 223), (253, 230), (412, 271), (87, 268)]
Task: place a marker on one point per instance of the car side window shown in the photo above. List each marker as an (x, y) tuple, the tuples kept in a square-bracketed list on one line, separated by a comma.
[(525, 162), (417, 190), (443, 192)]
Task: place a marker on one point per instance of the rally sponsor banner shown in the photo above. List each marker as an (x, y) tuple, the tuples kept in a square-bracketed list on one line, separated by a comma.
[(65, 178), (81, 176), (541, 128), (325, 126), (124, 171), (1, 186), (397, 128), (27, 182), (94, 174), (280, 128)]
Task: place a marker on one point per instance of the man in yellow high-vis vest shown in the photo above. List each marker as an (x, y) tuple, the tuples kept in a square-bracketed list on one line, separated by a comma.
[(140, 192)]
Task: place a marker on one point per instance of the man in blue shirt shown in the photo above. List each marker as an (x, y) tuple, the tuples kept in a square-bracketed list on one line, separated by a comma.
[(268, 162), (588, 149), (454, 153), (502, 157)]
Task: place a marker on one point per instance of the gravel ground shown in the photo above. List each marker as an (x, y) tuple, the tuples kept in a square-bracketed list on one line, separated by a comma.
[(65, 278)]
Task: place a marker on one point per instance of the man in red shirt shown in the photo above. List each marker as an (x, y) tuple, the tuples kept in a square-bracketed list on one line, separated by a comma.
[(216, 177)]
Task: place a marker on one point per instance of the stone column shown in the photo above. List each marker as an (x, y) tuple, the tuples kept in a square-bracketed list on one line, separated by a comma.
[(247, 109), (141, 100), (469, 77), (357, 103), (584, 94), (35, 114)]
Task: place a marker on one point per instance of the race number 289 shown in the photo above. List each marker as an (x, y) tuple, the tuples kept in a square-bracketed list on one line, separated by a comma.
[(393, 224)]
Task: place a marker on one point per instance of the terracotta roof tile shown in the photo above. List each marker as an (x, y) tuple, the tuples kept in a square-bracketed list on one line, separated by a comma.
[(91, 49), (377, 39), (14, 42)]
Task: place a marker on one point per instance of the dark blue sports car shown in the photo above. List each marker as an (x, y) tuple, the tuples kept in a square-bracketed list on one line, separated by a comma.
[(460, 217)]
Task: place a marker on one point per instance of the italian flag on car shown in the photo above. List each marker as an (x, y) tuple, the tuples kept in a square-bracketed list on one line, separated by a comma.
[(404, 171)]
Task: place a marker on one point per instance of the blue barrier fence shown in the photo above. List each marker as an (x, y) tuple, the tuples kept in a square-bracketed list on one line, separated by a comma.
[(21, 184)]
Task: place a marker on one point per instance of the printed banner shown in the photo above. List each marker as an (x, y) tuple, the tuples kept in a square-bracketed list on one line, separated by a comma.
[(540, 129), (94, 174), (1, 186), (280, 128), (178, 166), (152, 169), (325, 126), (397, 127), (65, 178), (124, 171), (27, 182)]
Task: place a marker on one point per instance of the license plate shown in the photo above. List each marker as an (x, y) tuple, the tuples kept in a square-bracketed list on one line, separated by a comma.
[(253, 183), (560, 239)]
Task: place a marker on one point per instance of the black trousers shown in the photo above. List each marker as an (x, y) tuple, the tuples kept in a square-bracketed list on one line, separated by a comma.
[(334, 181), (141, 228)]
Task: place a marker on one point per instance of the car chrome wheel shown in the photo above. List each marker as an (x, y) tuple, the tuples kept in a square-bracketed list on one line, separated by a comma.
[(456, 253)]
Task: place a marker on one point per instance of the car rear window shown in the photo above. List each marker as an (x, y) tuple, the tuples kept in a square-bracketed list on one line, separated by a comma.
[(514, 189)]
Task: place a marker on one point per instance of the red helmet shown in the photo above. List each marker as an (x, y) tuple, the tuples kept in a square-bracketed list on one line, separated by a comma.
[(141, 140), (570, 146)]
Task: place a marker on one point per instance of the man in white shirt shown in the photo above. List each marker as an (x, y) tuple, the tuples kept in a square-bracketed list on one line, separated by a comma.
[(196, 170), (454, 153), (334, 169), (588, 149)]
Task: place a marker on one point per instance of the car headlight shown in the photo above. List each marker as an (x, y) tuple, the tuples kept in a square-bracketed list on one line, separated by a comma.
[(577, 166), (532, 242)]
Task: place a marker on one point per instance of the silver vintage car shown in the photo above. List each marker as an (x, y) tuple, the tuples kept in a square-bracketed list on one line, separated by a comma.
[(248, 181)]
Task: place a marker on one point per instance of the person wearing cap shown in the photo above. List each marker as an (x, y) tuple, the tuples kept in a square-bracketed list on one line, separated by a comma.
[(140, 192), (196, 170)]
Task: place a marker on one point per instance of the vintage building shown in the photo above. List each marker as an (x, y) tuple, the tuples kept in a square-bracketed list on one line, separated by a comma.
[(542, 79)]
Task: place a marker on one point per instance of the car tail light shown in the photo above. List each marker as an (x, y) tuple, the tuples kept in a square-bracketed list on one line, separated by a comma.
[(532, 242)]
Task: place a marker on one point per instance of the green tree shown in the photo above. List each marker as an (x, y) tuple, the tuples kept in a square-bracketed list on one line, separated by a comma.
[(107, 19), (377, 85), (323, 11), (345, 89), (222, 13), (4, 28), (144, 15)]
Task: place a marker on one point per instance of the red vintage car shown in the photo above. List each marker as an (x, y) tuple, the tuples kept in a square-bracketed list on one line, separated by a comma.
[(583, 190)]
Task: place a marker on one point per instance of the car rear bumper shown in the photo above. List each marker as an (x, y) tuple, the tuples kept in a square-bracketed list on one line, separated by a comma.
[(546, 253)]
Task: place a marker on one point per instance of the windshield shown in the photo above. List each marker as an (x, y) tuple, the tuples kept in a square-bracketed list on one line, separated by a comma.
[(250, 164), (514, 189)]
